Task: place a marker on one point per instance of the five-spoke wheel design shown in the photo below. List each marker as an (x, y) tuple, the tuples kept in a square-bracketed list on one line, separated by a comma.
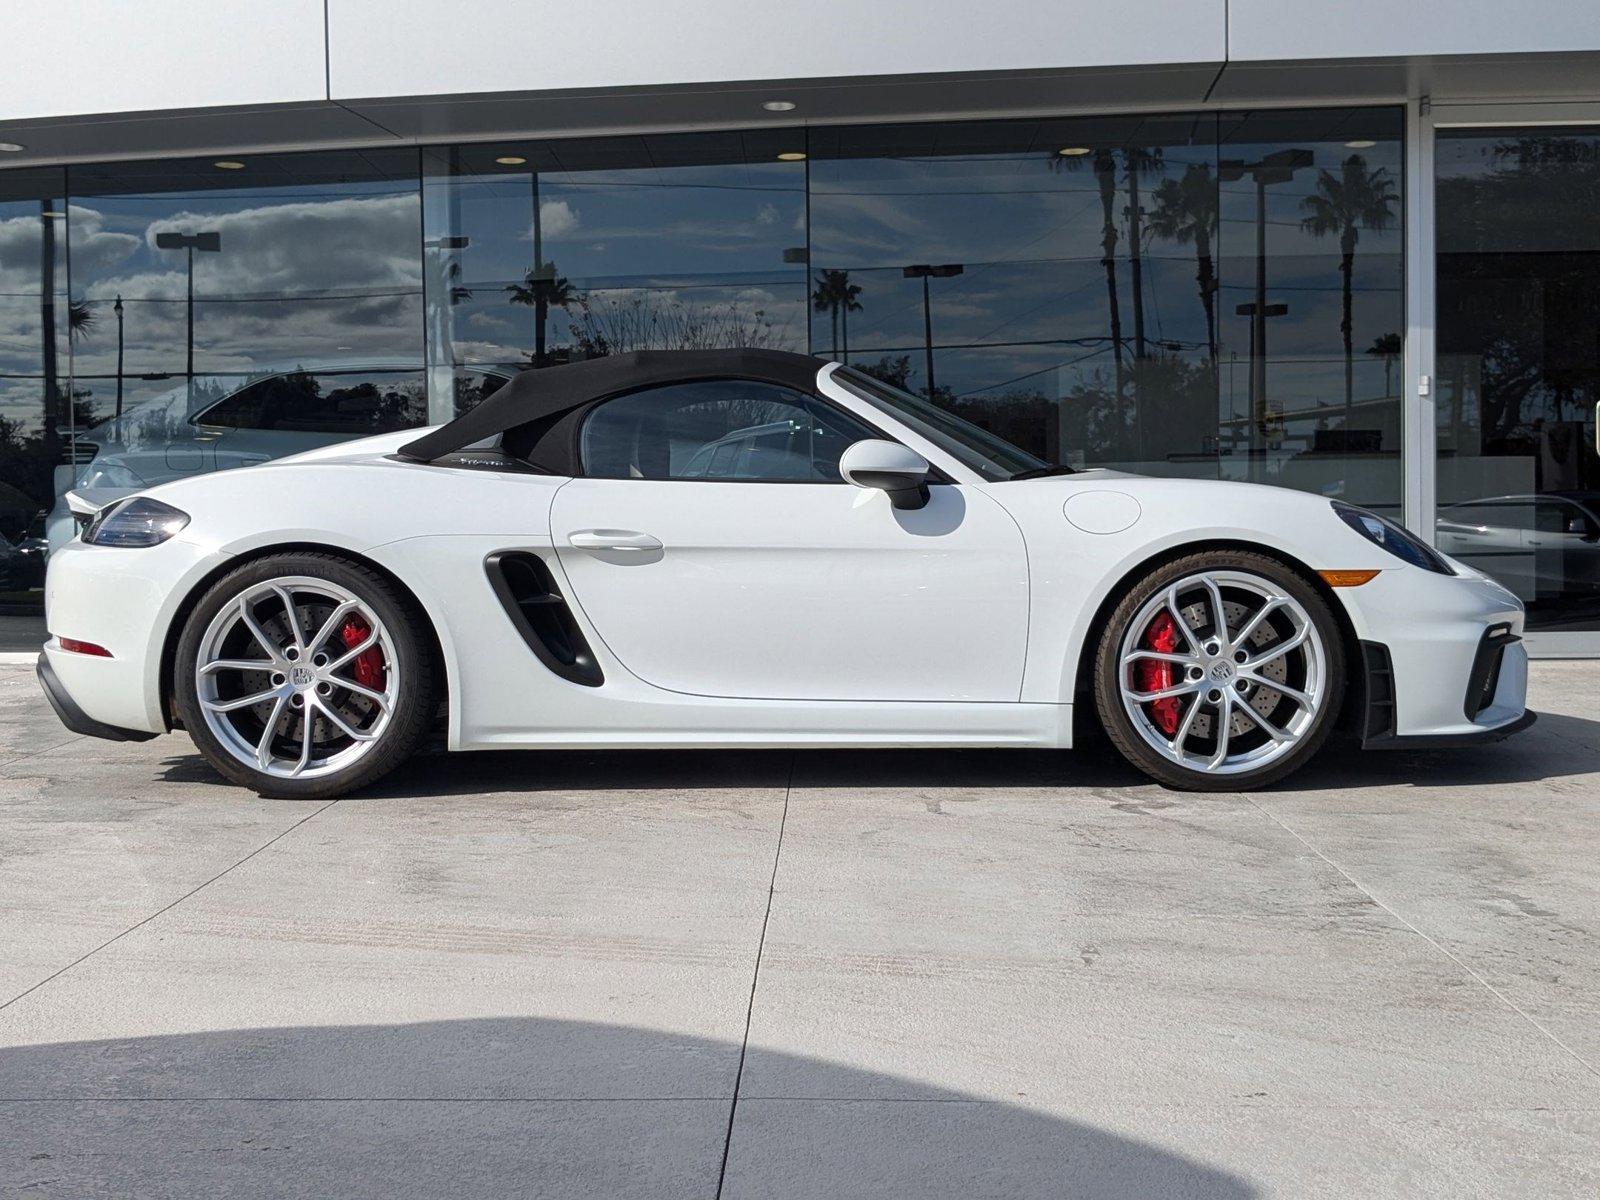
[(297, 677)]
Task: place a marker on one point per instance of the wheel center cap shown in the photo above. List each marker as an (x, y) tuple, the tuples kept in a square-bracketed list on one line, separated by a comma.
[(302, 676), (1222, 671)]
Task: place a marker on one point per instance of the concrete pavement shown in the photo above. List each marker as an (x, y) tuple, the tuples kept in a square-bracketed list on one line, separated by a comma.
[(951, 974)]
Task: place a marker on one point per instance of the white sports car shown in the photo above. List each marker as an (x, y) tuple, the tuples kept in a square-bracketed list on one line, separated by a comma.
[(749, 548)]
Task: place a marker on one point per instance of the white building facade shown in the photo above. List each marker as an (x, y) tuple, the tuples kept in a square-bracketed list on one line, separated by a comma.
[(1352, 249)]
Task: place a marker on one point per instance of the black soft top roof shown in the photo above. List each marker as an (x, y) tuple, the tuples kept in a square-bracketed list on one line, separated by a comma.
[(535, 405)]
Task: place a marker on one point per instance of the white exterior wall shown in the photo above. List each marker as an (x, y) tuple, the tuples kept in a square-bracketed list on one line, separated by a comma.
[(114, 56), (1265, 30), (409, 47), (80, 57)]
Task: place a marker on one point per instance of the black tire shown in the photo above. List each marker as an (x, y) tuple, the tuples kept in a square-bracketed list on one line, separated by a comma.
[(414, 707), (1119, 726)]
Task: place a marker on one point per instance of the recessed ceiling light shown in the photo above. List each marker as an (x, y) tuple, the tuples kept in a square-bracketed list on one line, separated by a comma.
[(11, 147), (228, 164), (1074, 151), (511, 160), (779, 106), (792, 156), (1361, 144)]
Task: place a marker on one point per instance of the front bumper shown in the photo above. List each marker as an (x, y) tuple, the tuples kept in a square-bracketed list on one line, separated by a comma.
[(1442, 663), (1495, 688)]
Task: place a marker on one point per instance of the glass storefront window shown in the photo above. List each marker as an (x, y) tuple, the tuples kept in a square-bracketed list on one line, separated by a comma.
[(1007, 270), (1089, 289), (540, 253), (1311, 304), (204, 284), (1518, 360), (37, 324), (1213, 295)]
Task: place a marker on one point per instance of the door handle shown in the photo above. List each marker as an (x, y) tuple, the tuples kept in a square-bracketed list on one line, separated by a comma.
[(612, 539)]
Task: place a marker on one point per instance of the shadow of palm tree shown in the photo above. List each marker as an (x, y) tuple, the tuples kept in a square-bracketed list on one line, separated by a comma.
[(504, 1107)]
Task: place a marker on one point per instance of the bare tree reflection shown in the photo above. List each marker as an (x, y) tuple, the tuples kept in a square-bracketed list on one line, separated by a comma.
[(611, 324)]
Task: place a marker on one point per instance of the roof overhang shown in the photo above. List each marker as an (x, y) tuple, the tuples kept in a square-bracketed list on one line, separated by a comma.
[(428, 119)]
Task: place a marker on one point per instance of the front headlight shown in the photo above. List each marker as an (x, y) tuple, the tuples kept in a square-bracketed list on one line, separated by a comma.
[(140, 521), (1396, 539)]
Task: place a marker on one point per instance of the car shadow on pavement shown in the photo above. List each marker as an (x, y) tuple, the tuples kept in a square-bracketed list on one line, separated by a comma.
[(504, 1107), (1557, 746)]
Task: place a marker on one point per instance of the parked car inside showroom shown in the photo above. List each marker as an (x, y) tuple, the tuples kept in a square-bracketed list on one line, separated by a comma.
[(754, 548), (1545, 547), (278, 411)]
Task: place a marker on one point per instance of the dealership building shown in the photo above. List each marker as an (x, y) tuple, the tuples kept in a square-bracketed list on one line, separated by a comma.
[(1352, 249)]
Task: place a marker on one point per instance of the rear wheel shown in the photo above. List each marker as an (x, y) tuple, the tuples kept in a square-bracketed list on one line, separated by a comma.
[(1221, 671), (301, 676)]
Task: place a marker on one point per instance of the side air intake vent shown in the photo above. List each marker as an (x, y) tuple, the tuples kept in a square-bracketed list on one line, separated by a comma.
[(1378, 719), (539, 611)]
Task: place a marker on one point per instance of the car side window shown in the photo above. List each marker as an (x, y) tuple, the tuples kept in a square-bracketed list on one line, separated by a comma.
[(724, 429), (1503, 515), (1562, 516), (303, 402)]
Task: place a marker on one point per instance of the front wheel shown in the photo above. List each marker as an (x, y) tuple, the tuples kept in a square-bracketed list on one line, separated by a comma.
[(1221, 671), (302, 676)]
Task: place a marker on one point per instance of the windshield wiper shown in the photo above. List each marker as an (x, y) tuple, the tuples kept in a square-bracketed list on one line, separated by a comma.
[(1044, 472)]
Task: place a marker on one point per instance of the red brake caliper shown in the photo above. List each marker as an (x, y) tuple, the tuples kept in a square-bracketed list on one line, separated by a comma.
[(369, 663), (1153, 675)]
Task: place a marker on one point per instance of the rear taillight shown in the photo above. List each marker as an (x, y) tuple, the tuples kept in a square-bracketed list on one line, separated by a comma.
[(74, 646)]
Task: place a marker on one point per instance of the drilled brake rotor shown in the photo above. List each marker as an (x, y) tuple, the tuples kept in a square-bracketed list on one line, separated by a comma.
[(1262, 699)]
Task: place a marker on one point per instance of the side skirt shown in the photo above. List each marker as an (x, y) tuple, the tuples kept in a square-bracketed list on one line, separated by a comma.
[(768, 724)]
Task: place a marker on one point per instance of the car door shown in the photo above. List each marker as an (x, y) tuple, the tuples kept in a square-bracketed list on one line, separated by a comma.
[(1491, 536), (1564, 545), (717, 552)]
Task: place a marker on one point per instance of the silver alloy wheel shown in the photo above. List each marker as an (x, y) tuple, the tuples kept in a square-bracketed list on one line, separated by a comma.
[(1248, 670), (282, 701)]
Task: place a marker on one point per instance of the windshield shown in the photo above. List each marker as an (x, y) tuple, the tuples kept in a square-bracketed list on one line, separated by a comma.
[(992, 457)]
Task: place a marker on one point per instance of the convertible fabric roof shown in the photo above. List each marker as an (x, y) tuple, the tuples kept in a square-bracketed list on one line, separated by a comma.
[(546, 402)]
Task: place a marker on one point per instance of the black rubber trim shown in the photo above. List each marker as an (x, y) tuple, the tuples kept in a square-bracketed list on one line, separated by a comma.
[(1485, 677), (1454, 741), (533, 600), (74, 718)]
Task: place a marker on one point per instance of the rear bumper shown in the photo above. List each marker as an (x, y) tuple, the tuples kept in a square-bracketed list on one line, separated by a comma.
[(74, 718), (125, 601)]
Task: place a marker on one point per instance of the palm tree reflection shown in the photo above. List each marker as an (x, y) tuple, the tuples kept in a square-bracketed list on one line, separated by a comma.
[(1344, 204), (1186, 213), (837, 296)]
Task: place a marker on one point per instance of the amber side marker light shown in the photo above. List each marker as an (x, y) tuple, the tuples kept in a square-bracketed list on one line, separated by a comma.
[(74, 646), (1347, 578)]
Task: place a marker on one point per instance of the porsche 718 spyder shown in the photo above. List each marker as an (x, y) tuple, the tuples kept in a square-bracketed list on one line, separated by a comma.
[(750, 548)]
